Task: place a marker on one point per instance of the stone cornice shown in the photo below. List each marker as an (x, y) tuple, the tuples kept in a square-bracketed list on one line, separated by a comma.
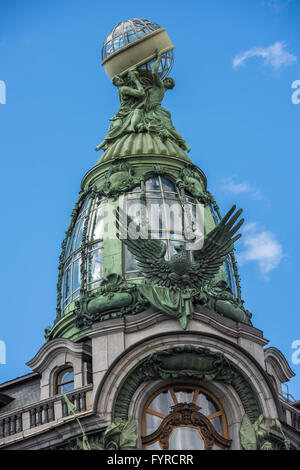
[(47, 352), (279, 363), (150, 317), (19, 380)]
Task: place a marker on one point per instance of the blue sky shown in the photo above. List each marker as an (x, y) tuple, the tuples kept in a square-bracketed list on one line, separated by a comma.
[(235, 62)]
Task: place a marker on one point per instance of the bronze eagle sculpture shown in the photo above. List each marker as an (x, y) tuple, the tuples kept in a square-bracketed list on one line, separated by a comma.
[(182, 270)]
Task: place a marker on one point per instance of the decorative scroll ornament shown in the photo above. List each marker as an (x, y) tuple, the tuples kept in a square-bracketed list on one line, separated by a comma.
[(118, 179), (187, 414), (170, 285), (140, 107), (190, 180), (218, 296), (115, 298)]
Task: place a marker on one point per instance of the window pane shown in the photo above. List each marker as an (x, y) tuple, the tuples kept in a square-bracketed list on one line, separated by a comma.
[(217, 424), (134, 196), (186, 439), (72, 239), (184, 395), (130, 261), (76, 294), (79, 233), (131, 36), (95, 265), (152, 423), (67, 377), (156, 216), (97, 226), (76, 236), (94, 285), (174, 216), (84, 205), (66, 388), (208, 407), (67, 279), (152, 184), (162, 403), (168, 185), (176, 236), (76, 275), (136, 210), (171, 195)]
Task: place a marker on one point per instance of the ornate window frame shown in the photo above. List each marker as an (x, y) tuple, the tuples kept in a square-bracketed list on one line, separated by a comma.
[(185, 415)]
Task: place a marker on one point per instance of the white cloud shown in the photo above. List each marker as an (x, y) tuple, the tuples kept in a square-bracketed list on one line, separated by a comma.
[(277, 5), (260, 247), (275, 56), (232, 187)]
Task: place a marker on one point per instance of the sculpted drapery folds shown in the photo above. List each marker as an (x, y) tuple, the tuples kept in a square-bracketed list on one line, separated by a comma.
[(141, 109), (132, 99)]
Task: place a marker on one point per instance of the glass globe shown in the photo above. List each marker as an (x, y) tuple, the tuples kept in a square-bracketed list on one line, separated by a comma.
[(130, 31)]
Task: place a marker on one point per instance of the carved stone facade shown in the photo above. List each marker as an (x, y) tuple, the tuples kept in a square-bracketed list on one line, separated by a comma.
[(121, 362)]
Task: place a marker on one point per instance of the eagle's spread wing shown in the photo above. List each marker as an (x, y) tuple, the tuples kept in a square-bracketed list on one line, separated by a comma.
[(149, 253), (217, 245)]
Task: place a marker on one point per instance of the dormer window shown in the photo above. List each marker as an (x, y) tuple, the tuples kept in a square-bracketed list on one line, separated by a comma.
[(65, 380)]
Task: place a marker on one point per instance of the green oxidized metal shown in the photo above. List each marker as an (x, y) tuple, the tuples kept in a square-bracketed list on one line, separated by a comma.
[(141, 145)]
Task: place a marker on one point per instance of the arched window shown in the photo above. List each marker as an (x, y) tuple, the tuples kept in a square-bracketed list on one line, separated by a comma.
[(95, 243), (163, 208), (65, 381), (184, 417), (71, 282), (72, 265)]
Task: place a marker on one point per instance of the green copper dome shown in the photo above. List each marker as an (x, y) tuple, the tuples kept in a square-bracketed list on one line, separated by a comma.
[(187, 256)]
